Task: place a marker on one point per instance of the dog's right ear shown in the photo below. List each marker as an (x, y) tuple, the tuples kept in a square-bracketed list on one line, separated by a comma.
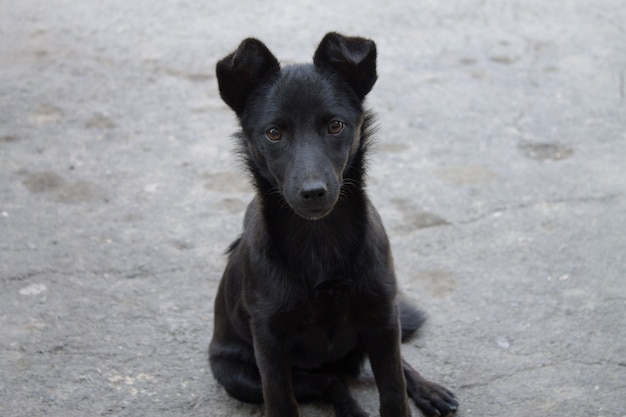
[(240, 72)]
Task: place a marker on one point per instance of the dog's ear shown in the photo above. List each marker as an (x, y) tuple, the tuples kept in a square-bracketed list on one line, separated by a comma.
[(352, 59), (240, 72)]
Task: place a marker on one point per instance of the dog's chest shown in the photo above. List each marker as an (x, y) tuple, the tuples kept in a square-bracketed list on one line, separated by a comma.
[(322, 330)]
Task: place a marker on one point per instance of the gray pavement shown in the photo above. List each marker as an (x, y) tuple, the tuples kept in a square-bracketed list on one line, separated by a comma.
[(500, 172)]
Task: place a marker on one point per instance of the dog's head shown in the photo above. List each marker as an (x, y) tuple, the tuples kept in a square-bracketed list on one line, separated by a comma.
[(302, 123)]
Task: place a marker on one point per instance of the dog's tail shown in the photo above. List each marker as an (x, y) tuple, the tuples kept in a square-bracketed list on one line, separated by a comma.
[(411, 319)]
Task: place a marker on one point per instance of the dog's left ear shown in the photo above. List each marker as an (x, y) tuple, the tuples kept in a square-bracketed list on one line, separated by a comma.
[(352, 59)]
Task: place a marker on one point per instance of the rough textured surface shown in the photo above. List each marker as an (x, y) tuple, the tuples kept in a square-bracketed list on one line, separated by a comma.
[(500, 173)]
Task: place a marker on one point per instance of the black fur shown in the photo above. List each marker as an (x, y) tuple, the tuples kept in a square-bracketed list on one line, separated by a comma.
[(309, 291)]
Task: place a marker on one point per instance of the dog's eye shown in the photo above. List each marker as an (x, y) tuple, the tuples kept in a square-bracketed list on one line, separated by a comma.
[(335, 127), (274, 134)]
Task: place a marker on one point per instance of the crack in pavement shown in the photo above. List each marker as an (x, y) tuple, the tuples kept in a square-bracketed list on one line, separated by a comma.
[(523, 206)]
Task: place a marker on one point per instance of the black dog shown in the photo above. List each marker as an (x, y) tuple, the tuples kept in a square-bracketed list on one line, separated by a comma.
[(309, 291)]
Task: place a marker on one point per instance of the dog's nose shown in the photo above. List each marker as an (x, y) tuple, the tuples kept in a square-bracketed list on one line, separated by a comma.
[(313, 190)]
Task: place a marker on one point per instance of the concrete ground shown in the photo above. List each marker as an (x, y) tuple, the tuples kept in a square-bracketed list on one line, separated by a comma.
[(500, 172)]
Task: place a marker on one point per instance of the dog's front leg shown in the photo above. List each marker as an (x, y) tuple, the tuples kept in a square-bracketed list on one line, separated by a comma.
[(383, 348), (276, 375)]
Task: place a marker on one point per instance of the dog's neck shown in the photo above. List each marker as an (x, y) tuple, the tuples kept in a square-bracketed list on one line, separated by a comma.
[(320, 251)]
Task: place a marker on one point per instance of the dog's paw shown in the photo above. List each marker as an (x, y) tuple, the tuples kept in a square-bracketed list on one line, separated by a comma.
[(350, 410), (352, 413), (433, 399)]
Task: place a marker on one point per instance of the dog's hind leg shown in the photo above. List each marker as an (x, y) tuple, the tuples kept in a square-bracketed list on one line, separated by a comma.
[(242, 381), (431, 398), (239, 375)]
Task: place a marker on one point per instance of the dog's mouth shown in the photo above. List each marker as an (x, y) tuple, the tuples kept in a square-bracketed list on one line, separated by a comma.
[(313, 213), (313, 210)]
